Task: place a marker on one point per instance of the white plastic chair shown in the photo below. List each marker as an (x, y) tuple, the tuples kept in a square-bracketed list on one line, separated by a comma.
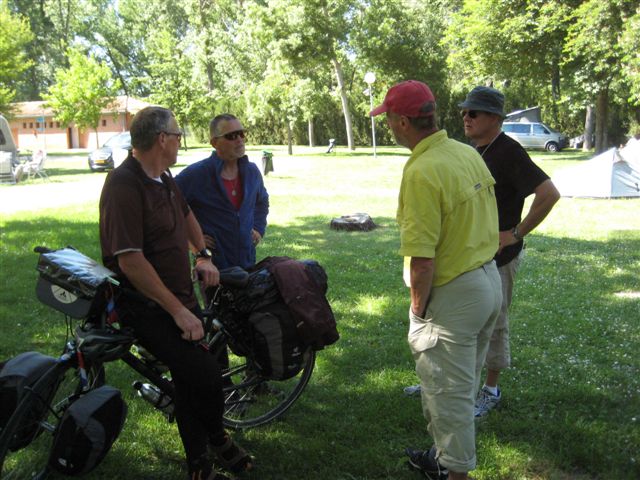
[(35, 167)]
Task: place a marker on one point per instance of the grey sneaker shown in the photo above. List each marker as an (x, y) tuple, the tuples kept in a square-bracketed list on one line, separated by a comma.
[(486, 402), (412, 390)]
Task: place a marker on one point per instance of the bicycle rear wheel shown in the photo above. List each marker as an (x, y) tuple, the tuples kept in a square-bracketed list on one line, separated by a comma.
[(26, 440), (251, 400)]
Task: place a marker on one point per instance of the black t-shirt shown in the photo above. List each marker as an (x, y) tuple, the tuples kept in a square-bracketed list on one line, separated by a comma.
[(516, 178)]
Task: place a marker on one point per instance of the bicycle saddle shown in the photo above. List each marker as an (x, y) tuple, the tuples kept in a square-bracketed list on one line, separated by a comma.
[(234, 277), (103, 344)]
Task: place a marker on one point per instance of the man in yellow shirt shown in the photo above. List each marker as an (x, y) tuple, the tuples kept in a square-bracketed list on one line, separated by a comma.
[(448, 223)]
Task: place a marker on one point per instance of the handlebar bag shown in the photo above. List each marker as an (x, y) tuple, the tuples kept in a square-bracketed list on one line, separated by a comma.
[(87, 431), (16, 376), (71, 282)]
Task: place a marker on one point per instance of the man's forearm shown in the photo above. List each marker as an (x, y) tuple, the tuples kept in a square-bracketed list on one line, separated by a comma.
[(194, 232), (421, 278), (546, 196)]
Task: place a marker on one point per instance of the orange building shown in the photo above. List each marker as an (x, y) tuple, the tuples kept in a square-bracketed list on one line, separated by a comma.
[(34, 126)]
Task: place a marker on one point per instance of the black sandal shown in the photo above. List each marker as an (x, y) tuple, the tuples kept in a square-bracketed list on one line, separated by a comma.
[(232, 457), (203, 469)]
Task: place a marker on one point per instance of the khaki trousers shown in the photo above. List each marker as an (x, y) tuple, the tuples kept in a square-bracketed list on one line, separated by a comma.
[(449, 347)]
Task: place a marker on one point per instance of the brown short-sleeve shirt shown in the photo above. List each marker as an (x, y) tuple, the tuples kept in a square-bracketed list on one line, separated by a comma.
[(140, 214)]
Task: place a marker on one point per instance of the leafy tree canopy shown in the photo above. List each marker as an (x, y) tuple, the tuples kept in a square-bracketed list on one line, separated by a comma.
[(82, 91)]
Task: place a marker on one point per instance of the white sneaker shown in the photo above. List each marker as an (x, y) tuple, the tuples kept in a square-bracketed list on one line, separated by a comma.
[(412, 390), (486, 402)]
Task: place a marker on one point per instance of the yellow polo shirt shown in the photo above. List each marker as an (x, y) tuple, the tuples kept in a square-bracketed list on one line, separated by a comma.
[(447, 207)]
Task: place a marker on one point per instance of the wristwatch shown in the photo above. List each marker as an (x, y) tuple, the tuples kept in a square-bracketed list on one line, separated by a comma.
[(204, 253), (516, 235)]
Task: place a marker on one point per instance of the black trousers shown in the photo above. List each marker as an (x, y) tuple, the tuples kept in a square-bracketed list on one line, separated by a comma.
[(199, 403)]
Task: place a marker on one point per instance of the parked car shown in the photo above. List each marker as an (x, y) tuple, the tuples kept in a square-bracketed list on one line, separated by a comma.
[(112, 153), (535, 135)]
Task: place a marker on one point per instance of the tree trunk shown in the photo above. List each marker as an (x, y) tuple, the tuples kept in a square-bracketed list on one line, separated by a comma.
[(589, 122), (345, 102), (289, 138), (602, 107), (97, 140), (312, 135), (555, 89), (208, 64)]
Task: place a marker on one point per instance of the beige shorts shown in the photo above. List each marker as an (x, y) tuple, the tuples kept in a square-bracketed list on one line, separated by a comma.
[(499, 353)]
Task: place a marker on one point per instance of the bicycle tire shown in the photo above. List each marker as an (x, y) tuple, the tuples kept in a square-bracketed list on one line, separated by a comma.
[(251, 400), (55, 391)]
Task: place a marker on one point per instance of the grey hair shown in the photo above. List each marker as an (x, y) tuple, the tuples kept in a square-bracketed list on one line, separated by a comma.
[(147, 125), (213, 125), (427, 119)]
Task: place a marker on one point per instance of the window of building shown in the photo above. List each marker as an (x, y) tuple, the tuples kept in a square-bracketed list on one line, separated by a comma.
[(50, 124), (57, 124), (30, 124), (104, 123), (24, 125), (37, 124)]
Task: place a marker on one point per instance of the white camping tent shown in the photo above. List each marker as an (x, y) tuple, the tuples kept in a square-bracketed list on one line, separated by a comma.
[(614, 173)]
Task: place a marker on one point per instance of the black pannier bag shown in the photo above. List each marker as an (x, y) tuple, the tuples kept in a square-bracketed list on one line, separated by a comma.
[(303, 286), (71, 282), (270, 320), (277, 351), (87, 431), (17, 375)]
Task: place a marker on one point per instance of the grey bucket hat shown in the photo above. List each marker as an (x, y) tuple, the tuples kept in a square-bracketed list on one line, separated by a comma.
[(485, 99)]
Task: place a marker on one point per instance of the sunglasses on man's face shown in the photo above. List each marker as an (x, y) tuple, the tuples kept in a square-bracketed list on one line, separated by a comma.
[(233, 135), (470, 113)]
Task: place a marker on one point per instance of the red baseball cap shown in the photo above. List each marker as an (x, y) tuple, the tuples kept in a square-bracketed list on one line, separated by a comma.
[(406, 98)]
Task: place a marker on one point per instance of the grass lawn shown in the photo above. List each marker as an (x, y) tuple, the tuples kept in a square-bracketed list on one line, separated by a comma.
[(571, 407)]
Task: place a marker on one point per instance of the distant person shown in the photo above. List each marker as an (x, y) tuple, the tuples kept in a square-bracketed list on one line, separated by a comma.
[(145, 231), (227, 195), (449, 228), (517, 177)]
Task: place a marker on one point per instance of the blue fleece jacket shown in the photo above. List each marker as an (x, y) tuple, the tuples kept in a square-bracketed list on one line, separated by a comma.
[(202, 187)]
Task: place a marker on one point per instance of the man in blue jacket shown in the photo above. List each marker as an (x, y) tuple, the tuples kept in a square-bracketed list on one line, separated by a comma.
[(227, 195)]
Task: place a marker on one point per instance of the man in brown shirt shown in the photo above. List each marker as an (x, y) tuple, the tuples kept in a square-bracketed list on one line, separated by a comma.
[(145, 231)]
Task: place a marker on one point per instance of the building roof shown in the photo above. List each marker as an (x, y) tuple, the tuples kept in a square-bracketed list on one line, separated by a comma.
[(37, 108)]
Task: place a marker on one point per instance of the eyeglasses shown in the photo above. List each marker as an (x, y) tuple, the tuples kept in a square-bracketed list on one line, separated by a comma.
[(233, 135), (470, 113), (177, 134)]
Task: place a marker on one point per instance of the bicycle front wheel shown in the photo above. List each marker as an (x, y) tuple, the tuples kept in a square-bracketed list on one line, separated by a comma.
[(251, 400), (26, 440)]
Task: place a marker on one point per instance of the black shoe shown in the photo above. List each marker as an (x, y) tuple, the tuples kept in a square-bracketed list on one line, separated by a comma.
[(425, 462)]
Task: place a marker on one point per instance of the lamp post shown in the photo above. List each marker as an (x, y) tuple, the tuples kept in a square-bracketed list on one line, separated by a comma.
[(369, 78)]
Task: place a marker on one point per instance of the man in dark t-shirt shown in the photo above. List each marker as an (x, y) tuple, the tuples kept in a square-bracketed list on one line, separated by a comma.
[(146, 229), (516, 177)]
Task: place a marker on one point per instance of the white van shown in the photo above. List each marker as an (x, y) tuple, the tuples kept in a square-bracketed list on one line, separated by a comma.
[(8, 153), (535, 135)]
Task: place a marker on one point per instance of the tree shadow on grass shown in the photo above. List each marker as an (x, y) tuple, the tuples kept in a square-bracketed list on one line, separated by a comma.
[(569, 398)]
